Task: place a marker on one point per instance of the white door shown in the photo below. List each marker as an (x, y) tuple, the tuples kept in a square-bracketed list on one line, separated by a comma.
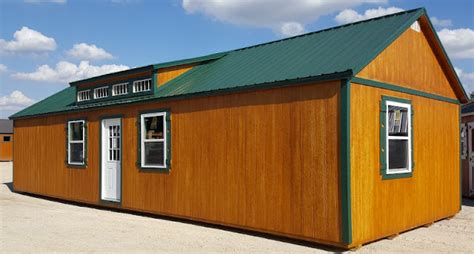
[(470, 137), (111, 158)]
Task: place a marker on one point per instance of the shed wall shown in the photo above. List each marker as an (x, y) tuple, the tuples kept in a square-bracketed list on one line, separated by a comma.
[(262, 160), (384, 207), (6, 148)]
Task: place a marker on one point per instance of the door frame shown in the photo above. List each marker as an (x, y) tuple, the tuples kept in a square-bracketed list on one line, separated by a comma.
[(470, 152), (103, 201)]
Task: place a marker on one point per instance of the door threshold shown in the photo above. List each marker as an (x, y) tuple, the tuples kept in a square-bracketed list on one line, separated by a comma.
[(110, 200)]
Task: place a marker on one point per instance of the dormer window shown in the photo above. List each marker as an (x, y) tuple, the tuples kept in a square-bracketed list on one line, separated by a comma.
[(141, 85), (83, 95), (119, 89), (101, 92)]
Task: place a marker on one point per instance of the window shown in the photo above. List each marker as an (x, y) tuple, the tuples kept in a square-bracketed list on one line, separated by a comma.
[(101, 92), (119, 89), (396, 138), (463, 141), (7, 138), (155, 140), (76, 142), (84, 95), (141, 85)]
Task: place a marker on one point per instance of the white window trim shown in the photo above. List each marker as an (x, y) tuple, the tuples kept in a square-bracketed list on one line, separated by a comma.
[(116, 85), (136, 81), (81, 92), (96, 89), (393, 171), (464, 141), (143, 140), (70, 141)]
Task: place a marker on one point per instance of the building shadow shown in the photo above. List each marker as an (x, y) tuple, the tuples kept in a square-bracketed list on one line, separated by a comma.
[(10, 186), (468, 202)]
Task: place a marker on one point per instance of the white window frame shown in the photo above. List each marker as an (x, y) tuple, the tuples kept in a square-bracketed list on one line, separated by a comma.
[(393, 171), (70, 141), (79, 93), (143, 140), (464, 141), (120, 85), (99, 88), (134, 88)]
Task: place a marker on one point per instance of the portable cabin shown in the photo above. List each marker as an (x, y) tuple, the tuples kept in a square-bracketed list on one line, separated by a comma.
[(340, 136), (467, 149), (6, 140)]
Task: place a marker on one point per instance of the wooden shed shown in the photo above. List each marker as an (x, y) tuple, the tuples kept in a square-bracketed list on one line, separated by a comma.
[(341, 136), (467, 149), (6, 140)]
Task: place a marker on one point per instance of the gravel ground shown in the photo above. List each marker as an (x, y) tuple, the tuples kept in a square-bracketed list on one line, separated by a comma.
[(32, 224)]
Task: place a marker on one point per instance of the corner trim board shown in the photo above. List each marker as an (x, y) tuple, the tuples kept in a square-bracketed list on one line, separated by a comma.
[(345, 151), (396, 88)]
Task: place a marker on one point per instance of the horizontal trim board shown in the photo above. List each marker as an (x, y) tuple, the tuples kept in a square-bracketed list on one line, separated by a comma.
[(400, 89), (278, 84)]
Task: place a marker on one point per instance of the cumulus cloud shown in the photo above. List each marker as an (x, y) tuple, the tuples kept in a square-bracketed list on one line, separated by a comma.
[(350, 15), (3, 68), (15, 101), (441, 22), (65, 72), (458, 42), (28, 40), (467, 79), (283, 16), (85, 51)]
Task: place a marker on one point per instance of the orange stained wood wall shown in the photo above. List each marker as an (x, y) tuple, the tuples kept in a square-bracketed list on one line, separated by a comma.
[(6, 148), (411, 62), (465, 162), (263, 160), (384, 207), (167, 74)]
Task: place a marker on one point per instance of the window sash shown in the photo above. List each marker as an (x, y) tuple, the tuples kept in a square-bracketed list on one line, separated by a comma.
[(142, 85), (70, 141), (101, 92), (119, 89), (144, 140), (392, 171)]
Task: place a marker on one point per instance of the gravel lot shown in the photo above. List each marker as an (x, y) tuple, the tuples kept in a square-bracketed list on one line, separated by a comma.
[(31, 224)]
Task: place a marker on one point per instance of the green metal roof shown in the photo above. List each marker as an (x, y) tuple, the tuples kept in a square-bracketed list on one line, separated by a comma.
[(335, 52)]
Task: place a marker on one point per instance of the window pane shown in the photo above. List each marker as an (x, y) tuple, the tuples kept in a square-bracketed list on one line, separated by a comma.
[(154, 153), (76, 153), (397, 121), (6, 138), (154, 127), (75, 130), (398, 154)]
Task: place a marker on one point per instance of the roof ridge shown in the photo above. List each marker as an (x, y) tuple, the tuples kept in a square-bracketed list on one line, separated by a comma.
[(330, 28)]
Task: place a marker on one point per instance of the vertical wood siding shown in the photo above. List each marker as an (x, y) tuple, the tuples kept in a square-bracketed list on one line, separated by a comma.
[(6, 148), (263, 160), (410, 62), (384, 207), (167, 74)]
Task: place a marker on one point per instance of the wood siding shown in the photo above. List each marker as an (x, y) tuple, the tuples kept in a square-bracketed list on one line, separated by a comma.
[(410, 62), (167, 74), (115, 79), (384, 207), (6, 148), (261, 160)]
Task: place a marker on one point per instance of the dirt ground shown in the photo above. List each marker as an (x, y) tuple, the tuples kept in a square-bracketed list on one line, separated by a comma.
[(33, 224)]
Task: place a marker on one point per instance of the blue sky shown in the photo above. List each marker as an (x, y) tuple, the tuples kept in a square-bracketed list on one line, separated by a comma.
[(46, 44)]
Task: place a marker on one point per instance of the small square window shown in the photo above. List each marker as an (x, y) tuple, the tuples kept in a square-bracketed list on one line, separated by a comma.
[(7, 138)]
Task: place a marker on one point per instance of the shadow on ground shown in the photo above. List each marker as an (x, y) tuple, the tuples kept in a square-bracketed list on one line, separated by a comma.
[(468, 202), (10, 186)]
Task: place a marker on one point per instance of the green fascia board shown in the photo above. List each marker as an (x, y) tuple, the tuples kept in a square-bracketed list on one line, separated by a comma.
[(396, 88), (189, 61), (113, 74)]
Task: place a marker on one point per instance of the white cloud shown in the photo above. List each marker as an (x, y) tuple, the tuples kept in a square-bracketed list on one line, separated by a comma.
[(3, 68), (350, 15), (65, 72), (15, 101), (85, 51), (441, 22), (279, 15), (288, 29), (458, 42), (28, 40), (45, 1), (467, 79)]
